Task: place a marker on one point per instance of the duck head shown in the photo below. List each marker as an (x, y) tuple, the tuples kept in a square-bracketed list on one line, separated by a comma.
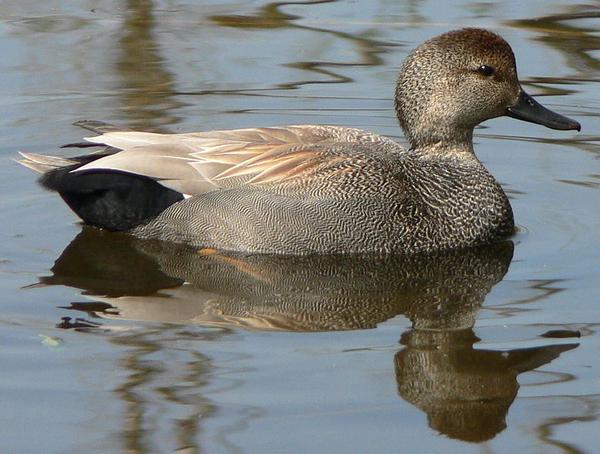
[(453, 82)]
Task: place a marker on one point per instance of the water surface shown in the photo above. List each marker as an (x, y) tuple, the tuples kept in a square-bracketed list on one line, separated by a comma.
[(115, 345)]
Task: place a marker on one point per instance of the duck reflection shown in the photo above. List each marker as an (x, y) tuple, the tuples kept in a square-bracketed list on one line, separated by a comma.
[(466, 392), (148, 280)]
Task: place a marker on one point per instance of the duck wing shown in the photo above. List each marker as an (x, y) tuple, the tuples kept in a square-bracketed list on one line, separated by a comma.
[(196, 163)]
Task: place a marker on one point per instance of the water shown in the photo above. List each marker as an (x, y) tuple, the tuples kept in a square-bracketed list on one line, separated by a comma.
[(107, 350)]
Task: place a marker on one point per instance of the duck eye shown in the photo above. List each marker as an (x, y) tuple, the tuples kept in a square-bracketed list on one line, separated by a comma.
[(486, 70)]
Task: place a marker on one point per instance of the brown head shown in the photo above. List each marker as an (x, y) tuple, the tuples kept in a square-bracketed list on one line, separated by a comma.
[(453, 82)]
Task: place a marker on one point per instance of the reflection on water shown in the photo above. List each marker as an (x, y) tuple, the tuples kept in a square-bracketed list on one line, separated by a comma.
[(156, 281), (271, 16), (465, 392), (571, 34), (147, 87), (268, 16), (179, 384)]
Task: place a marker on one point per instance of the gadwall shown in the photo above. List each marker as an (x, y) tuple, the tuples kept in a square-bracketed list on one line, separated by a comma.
[(318, 189)]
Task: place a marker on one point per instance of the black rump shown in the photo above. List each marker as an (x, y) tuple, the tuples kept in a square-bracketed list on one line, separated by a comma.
[(112, 200)]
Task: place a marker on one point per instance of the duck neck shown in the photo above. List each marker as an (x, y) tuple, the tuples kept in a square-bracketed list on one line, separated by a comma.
[(453, 144)]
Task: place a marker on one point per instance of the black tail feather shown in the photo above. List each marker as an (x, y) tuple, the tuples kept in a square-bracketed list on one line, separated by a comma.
[(82, 145), (113, 200), (99, 127)]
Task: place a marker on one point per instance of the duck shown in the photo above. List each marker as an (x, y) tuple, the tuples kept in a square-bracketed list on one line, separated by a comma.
[(317, 189)]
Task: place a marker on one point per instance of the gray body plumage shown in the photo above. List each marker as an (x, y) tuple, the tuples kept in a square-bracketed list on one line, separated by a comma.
[(395, 201)]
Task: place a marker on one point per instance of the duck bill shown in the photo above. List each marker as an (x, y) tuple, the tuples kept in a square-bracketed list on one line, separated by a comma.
[(528, 109)]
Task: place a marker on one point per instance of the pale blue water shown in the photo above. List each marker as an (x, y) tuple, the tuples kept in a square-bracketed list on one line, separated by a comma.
[(288, 357)]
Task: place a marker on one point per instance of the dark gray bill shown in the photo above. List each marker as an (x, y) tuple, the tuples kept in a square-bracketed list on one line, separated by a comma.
[(528, 109)]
